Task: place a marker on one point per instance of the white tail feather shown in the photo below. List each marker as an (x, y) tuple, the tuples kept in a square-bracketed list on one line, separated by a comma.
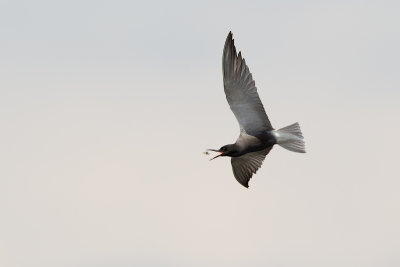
[(291, 138)]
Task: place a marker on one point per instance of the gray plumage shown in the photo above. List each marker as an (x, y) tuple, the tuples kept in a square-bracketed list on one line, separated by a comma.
[(257, 136), (241, 92)]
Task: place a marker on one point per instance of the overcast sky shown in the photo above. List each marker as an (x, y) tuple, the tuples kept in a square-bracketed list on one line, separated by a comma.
[(107, 106)]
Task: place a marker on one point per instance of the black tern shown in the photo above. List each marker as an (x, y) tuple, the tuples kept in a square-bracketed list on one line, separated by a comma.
[(257, 136)]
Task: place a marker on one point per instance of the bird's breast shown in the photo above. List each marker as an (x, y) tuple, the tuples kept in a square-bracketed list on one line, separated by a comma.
[(247, 143)]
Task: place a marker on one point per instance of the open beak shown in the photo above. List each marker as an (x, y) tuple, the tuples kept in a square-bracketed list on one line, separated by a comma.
[(219, 151)]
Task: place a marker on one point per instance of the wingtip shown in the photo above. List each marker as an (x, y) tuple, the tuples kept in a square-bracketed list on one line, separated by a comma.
[(229, 43), (230, 36), (244, 183)]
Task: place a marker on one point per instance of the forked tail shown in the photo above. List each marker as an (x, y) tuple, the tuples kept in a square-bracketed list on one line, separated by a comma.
[(291, 138)]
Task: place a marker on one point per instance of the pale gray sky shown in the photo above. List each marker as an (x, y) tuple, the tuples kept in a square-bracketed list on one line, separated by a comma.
[(107, 106)]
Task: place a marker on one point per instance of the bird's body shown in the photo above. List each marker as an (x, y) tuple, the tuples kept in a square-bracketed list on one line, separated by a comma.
[(257, 136), (247, 143)]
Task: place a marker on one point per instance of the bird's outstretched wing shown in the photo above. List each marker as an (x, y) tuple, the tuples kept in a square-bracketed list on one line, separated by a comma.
[(241, 91), (244, 166)]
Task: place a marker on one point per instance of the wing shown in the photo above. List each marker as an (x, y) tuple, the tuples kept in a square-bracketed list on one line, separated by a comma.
[(244, 166), (241, 91)]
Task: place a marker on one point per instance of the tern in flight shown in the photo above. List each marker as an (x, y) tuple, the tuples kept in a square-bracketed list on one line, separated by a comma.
[(257, 136)]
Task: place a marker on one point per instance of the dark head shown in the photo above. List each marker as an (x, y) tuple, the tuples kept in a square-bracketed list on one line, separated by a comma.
[(226, 150)]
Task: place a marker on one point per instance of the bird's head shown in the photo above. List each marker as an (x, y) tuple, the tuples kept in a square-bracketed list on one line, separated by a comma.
[(224, 151)]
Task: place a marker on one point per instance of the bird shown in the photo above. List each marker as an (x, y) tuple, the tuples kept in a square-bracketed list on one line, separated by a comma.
[(257, 136)]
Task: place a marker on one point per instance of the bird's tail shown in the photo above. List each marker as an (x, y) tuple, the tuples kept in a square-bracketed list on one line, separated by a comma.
[(291, 138)]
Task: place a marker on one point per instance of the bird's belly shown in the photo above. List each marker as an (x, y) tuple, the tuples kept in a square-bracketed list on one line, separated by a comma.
[(248, 143)]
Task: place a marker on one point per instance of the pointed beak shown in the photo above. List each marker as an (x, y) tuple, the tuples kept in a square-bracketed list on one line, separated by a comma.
[(216, 155)]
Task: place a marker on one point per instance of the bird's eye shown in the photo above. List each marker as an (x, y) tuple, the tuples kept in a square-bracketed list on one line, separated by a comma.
[(223, 148)]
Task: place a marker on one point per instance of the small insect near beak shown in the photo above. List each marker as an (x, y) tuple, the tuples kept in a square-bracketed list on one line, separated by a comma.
[(219, 151)]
